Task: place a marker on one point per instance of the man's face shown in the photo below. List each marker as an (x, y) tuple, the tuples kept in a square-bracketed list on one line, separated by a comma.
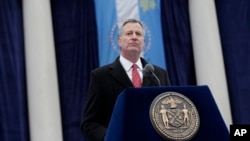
[(132, 39)]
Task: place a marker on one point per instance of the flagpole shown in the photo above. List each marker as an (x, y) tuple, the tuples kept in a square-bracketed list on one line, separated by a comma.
[(42, 87), (208, 56)]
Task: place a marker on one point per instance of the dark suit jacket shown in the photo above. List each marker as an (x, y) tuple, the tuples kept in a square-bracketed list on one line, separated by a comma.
[(106, 84)]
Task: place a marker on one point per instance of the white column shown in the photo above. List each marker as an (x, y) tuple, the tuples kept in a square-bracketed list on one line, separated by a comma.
[(43, 93), (208, 56)]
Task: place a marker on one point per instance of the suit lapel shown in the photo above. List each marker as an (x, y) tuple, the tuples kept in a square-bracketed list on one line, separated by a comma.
[(146, 81), (118, 72)]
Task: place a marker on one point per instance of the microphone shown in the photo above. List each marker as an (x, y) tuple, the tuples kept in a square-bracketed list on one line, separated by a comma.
[(149, 70)]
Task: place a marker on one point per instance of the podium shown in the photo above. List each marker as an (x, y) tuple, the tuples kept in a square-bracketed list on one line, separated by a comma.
[(130, 120)]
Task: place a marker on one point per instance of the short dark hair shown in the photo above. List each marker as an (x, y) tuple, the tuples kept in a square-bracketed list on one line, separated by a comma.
[(130, 21)]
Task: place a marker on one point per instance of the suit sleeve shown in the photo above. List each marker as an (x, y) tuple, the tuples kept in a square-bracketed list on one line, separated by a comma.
[(91, 125)]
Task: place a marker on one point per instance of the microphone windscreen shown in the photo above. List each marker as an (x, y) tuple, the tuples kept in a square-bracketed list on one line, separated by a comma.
[(148, 69)]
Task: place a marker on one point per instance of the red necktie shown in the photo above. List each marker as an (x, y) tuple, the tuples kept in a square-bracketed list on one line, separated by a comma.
[(136, 79)]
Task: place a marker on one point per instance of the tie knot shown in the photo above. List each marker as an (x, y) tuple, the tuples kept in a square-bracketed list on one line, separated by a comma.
[(134, 66)]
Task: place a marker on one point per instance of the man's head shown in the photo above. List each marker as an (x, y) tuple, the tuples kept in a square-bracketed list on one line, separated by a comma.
[(131, 39)]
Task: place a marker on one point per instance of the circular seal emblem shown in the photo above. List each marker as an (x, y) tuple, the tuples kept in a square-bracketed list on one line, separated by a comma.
[(174, 116)]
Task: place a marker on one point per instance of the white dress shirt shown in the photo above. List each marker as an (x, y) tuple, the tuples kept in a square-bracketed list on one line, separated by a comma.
[(127, 65)]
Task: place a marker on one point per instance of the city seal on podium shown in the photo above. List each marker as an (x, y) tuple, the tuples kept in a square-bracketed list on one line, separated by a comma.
[(174, 116)]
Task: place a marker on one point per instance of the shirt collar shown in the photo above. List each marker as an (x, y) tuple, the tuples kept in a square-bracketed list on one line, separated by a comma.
[(127, 64)]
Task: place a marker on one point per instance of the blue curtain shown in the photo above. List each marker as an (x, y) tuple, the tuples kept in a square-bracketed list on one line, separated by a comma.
[(13, 103), (76, 44), (234, 24), (177, 42)]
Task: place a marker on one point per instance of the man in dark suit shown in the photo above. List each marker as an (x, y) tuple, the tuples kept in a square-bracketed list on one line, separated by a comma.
[(109, 81)]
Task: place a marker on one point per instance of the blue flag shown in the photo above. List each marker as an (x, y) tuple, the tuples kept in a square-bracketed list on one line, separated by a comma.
[(111, 14)]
